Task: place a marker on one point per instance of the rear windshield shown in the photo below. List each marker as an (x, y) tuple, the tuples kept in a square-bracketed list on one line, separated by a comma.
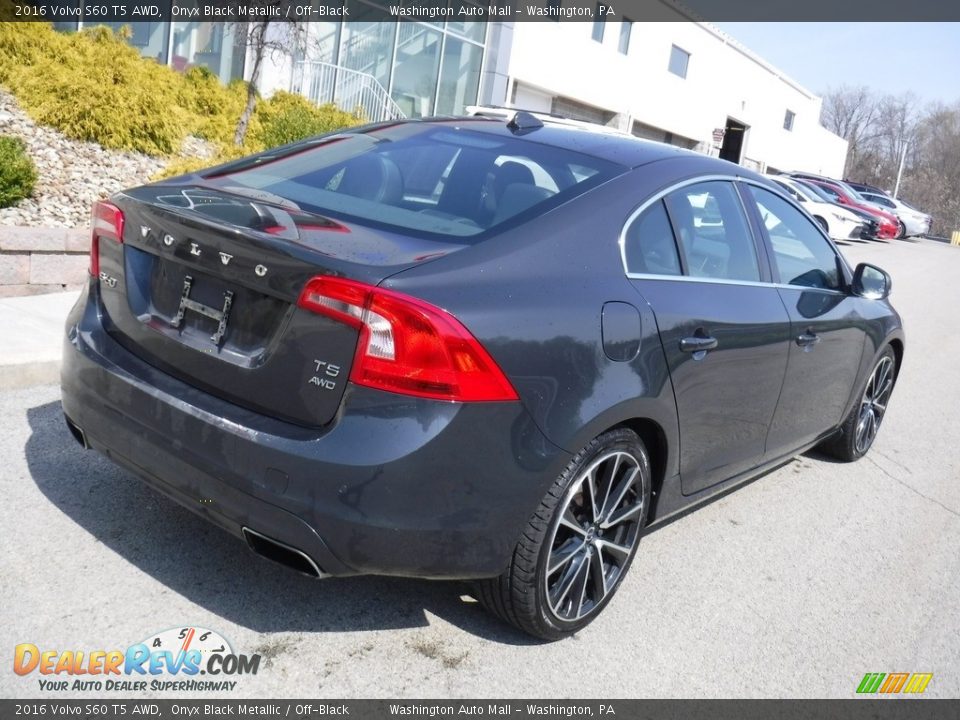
[(443, 181)]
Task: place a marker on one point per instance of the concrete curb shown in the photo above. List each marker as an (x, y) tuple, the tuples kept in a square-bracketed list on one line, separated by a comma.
[(33, 330)]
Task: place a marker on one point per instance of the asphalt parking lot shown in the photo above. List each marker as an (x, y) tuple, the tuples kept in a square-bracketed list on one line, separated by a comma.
[(793, 586)]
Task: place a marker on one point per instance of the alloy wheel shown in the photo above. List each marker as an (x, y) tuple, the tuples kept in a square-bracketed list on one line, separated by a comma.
[(594, 535), (873, 405)]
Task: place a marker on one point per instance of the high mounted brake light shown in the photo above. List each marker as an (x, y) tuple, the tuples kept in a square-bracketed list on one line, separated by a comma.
[(107, 222), (408, 346)]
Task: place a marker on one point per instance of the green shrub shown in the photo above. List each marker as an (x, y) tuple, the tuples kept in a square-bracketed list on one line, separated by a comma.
[(286, 118), (213, 109), (282, 119), (225, 153), (93, 86), (17, 172)]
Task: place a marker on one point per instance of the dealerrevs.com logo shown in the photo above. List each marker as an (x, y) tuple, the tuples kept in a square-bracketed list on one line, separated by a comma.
[(173, 660)]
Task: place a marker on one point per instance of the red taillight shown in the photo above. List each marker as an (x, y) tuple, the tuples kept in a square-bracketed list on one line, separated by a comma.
[(107, 222), (408, 346)]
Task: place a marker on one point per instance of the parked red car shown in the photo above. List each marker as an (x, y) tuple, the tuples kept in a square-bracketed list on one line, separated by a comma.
[(888, 225)]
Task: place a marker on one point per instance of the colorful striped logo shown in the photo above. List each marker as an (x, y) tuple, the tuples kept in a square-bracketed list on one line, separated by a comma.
[(894, 683)]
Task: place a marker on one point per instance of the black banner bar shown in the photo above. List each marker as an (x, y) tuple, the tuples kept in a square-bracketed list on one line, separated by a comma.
[(857, 709), (134, 11)]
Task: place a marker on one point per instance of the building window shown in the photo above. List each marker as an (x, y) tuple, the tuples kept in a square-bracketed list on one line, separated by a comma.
[(599, 23), (625, 27), (459, 76), (367, 42), (788, 120), (475, 31), (416, 68), (679, 61)]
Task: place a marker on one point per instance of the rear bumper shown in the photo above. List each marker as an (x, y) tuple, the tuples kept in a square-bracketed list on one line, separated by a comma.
[(394, 485)]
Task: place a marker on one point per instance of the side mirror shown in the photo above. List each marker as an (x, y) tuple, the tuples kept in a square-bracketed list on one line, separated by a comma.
[(871, 282)]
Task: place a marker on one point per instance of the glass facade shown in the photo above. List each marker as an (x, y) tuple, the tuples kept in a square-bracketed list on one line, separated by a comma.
[(212, 45), (416, 68), (150, 38), (426, 68), (459, 76), (181, 45)]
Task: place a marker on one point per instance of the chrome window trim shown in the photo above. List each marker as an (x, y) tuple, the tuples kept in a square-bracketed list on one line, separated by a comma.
[(720, 281)]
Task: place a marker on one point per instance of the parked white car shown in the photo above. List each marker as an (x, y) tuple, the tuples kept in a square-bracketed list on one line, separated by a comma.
[(839, 223), (914, 222)]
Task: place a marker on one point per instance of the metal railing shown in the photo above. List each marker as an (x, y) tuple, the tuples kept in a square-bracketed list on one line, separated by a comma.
[(350, 90)]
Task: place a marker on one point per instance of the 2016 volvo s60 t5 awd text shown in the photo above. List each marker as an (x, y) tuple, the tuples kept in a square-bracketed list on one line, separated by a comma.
[(485, 348)]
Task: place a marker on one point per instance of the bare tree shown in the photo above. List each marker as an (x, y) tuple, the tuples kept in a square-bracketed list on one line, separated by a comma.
[(266, 38), (896, 132), (879, 129), (933, 182), (850, 112)]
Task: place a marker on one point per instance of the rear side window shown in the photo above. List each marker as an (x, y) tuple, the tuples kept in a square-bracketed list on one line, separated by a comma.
[(801, 253), (649, 245), (712, 232), (442, 181)]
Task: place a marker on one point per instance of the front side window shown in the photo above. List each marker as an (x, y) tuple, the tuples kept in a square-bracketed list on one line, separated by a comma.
[(801, 253), (713, 232), (877, 199)]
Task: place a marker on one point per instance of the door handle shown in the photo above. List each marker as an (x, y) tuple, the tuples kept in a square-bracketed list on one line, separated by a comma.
[(808, 339), (697, 344)]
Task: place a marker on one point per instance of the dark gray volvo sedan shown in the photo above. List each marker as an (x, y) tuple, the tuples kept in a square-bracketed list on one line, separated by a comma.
[(483, 348)]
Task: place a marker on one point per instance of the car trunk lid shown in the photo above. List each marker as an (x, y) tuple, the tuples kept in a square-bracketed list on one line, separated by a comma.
[(205, 287)]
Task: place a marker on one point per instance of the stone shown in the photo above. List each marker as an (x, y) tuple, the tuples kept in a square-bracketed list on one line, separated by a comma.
[(14, 269), (72, 175), (32, 239), (58, 269), (78, 240)]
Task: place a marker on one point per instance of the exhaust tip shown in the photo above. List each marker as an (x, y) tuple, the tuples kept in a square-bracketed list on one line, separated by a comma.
[(77, 433), (281, 553)]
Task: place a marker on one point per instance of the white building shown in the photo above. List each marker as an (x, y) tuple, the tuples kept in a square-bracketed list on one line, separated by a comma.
[(684, 83)]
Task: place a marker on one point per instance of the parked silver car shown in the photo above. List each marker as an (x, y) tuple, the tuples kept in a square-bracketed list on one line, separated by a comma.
[(914, 222)]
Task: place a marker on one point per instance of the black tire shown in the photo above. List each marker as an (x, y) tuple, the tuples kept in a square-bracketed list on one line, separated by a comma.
[(531, 598), (901, 230), (823, 224), (849, 443)]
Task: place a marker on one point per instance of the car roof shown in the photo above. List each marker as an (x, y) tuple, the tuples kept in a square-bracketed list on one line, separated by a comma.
[(596, 141)]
